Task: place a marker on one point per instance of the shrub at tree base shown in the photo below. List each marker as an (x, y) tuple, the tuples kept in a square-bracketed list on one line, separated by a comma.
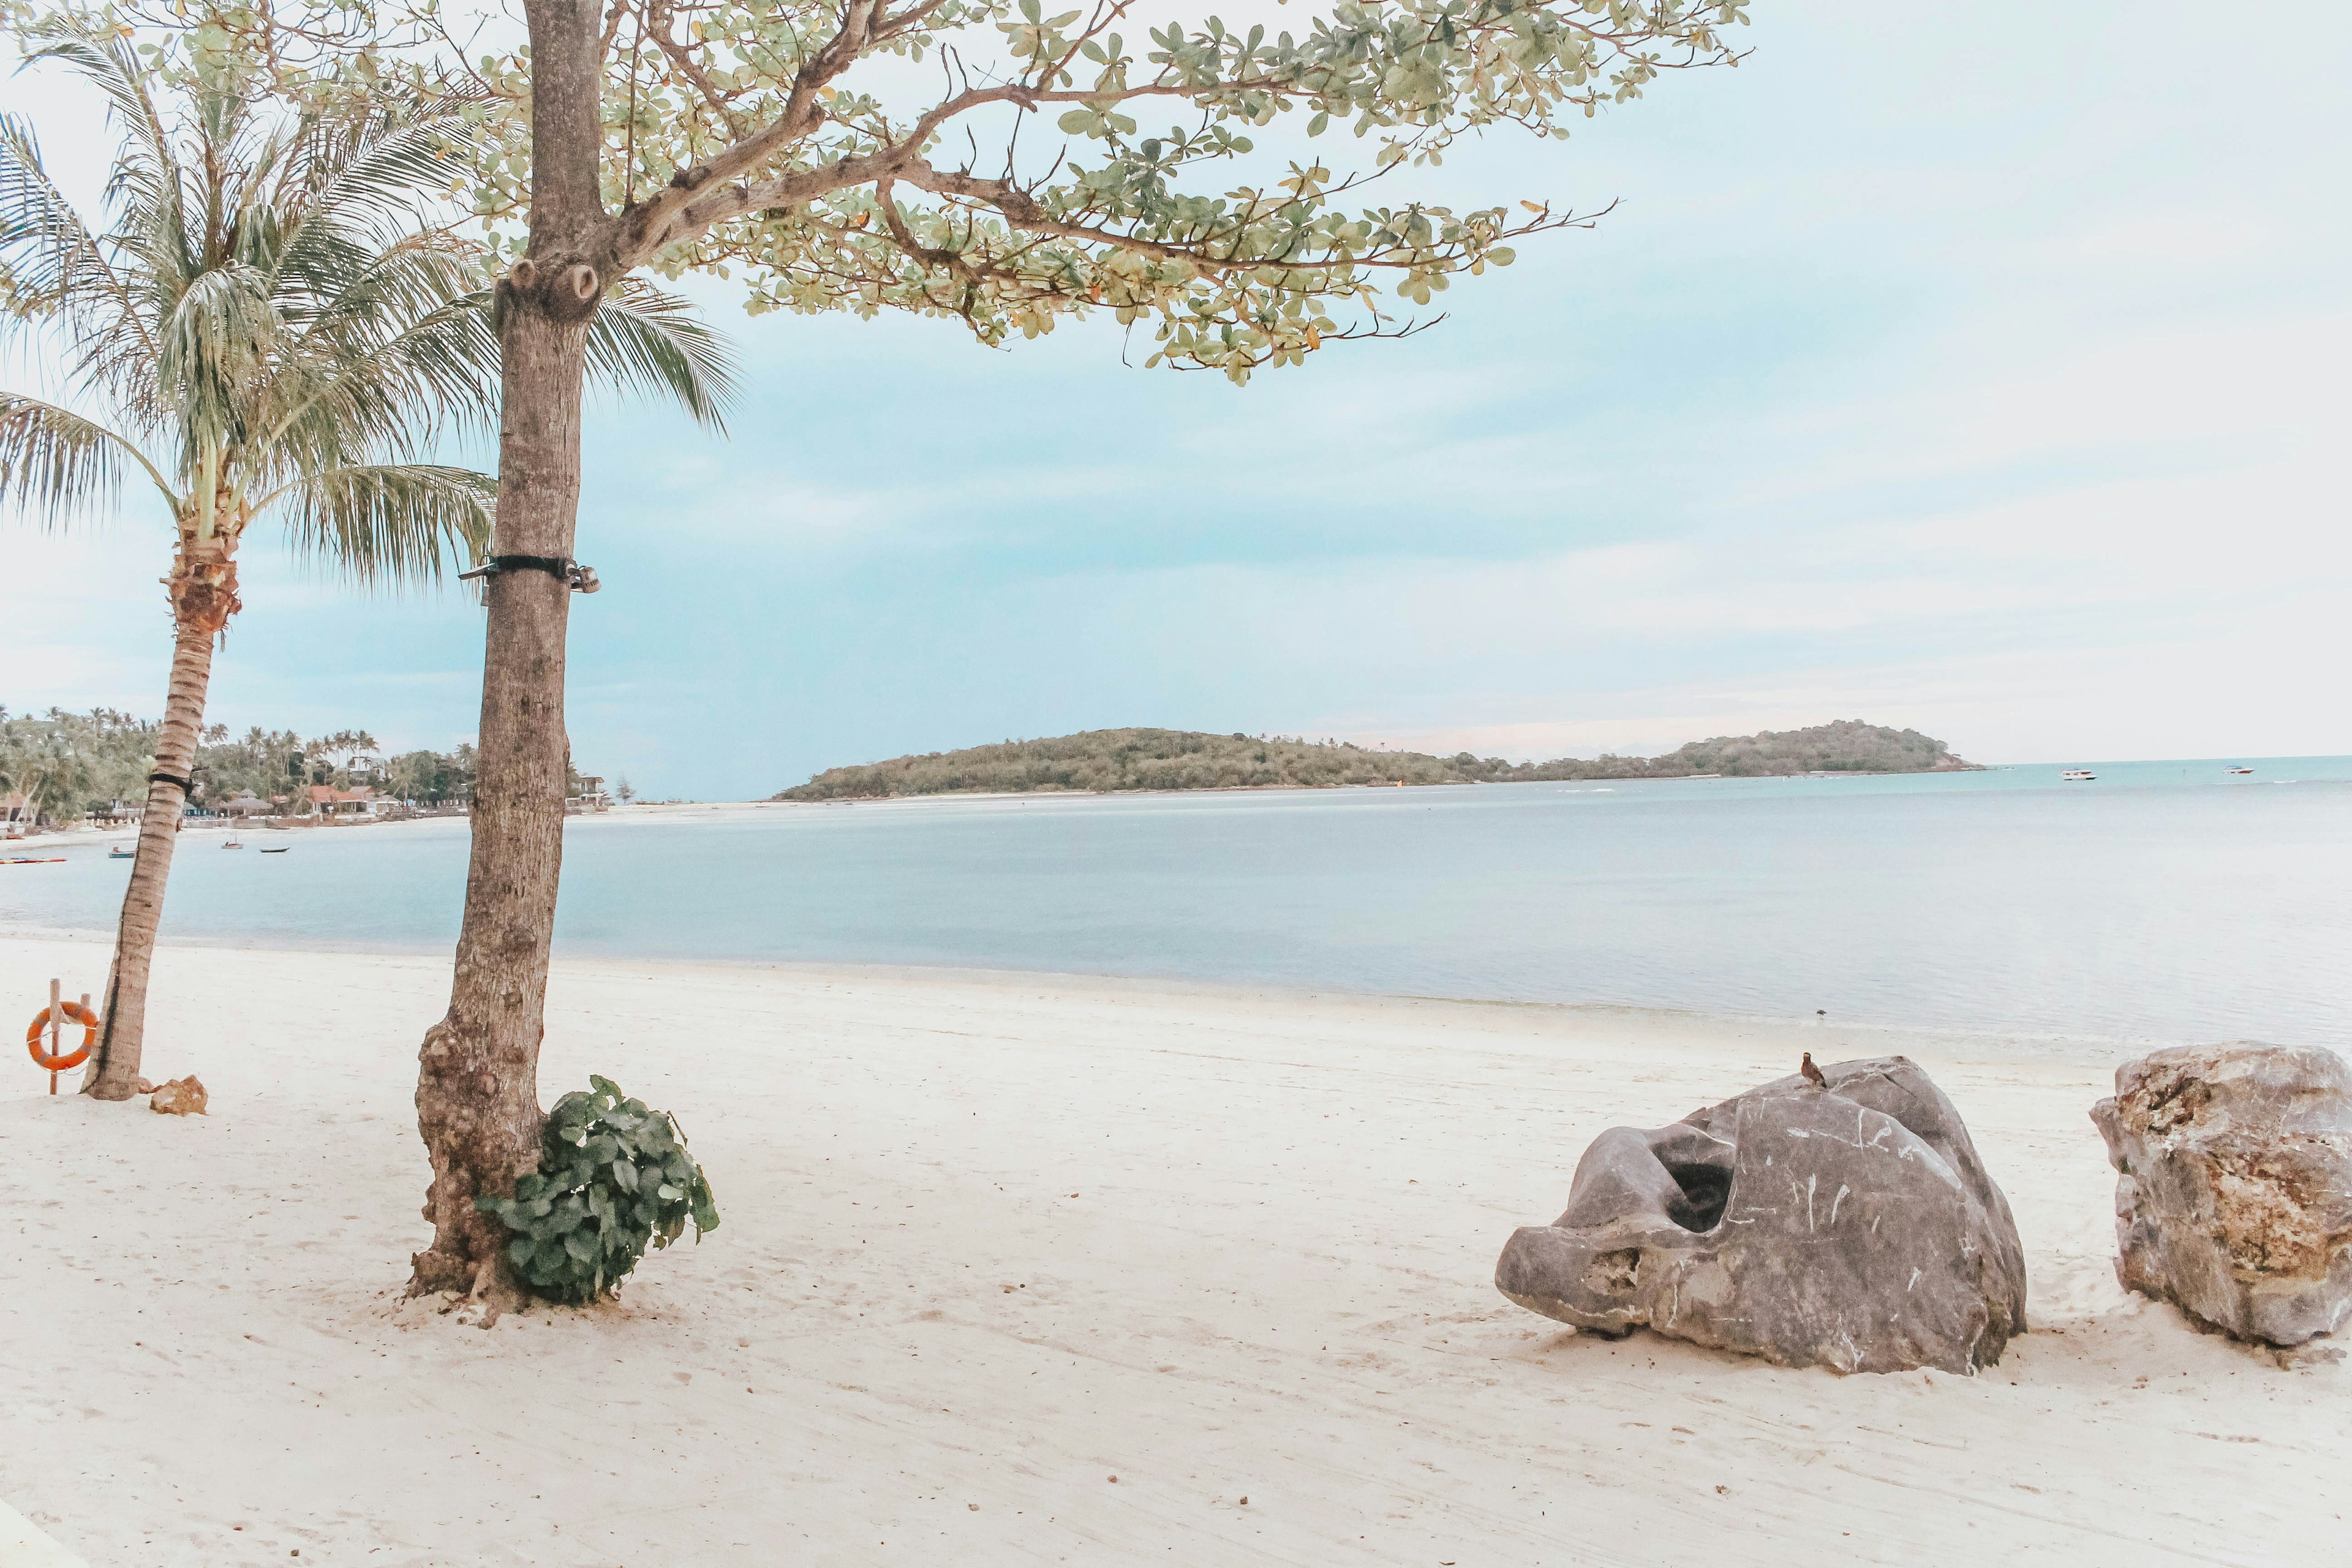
[(613, 1174)]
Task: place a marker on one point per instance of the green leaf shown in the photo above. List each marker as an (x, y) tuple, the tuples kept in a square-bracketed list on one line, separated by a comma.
[(615, 1180)]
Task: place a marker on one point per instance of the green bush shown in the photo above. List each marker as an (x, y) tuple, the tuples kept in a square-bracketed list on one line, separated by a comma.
[(613, 1176)]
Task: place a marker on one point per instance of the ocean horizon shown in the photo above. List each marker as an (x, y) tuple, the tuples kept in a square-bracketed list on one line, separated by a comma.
[(2161, 900)]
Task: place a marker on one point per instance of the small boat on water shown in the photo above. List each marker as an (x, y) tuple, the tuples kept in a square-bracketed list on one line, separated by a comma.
[(120, 853), (2237, 770), (234, 844), (279, 850), (2077, 775), (33, 860)]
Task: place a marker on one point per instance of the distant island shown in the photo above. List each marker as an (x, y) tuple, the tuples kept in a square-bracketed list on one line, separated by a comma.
[(1107, 759)]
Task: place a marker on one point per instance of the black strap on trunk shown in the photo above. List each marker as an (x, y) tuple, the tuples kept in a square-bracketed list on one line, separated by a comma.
[(553, 565), (187, 786), (562, 568)]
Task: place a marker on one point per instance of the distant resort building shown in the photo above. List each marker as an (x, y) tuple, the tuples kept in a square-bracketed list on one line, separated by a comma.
[(17, 814), (355, 805), (592, 796)]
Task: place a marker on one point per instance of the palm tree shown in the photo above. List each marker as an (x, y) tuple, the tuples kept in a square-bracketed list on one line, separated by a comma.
[(281, 324), (46, 760)]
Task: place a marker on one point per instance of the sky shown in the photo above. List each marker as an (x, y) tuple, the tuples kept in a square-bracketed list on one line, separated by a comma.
[(1979, 369)]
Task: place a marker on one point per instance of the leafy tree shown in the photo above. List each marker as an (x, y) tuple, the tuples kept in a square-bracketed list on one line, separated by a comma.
[(66, 762), (434, 777), (782, 140), (254, 764), (792, 142)]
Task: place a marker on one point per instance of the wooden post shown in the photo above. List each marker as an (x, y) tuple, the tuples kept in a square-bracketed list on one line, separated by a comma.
[(57, 1010)]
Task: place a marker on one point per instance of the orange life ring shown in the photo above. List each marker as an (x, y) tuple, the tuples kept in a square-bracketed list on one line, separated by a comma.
[(71, 1060)]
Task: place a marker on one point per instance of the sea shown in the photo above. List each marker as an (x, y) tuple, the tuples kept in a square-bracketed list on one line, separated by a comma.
[(2161, 900)]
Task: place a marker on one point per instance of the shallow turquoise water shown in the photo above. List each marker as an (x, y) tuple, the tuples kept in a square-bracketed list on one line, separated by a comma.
[(2165, 898)]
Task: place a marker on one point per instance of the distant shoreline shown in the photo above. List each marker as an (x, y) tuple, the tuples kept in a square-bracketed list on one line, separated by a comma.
[(645, 810)]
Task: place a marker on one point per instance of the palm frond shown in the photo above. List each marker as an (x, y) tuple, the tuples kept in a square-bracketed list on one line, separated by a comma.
[(58, 465), (646, 340), (367, 174), (382, 374), (216, 351), (55, 270), (42, 239), (145, 180), (391, 523), (256, 228)]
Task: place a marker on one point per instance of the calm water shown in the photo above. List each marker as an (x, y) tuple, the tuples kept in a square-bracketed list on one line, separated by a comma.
[(2167, 898)]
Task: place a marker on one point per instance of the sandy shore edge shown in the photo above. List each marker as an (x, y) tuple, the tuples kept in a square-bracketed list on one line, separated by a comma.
[(991, 1238)]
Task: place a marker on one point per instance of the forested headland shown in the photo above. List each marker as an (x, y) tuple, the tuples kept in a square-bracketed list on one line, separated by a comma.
[(1107, 760)]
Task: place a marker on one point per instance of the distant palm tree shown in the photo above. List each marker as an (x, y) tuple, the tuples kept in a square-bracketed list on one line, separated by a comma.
[(281, 322), (42, 761)]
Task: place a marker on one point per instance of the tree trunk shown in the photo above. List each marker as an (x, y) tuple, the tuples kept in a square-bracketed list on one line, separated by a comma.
[(203, 595), (477, 1080)]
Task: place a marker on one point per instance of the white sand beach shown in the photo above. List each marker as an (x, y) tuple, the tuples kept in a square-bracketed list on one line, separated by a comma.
[(992, 1240)]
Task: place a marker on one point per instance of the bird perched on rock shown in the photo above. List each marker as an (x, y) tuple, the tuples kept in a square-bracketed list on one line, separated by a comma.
[(1813, 1074)]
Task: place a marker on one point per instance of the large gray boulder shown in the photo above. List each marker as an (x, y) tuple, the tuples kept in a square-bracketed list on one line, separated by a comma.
[(2235, 1196), (1851, 1226)]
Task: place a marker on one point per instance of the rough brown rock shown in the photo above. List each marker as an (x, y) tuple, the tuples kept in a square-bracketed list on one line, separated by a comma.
[(1850, 1225), (181, 1097), (2234, 1197)]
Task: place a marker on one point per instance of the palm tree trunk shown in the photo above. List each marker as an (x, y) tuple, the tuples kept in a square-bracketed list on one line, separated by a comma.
[(203, 595)]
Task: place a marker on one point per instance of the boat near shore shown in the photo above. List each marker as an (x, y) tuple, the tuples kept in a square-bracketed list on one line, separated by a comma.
[(2075, 776)]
